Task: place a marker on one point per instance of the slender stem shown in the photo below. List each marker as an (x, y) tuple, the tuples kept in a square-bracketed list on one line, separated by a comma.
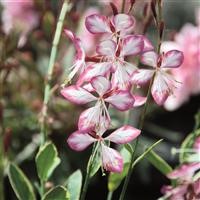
[(47, 90), (47, 93), (123, 6), (87, 178), (141, 122), (1, 167), (110, 194)]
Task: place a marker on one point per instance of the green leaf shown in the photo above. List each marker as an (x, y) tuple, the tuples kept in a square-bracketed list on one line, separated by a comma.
[(146, 152), (47, 160), (115, 179), (129, 148), (57, 193), (158, 162), (20, 183), (74, 184)]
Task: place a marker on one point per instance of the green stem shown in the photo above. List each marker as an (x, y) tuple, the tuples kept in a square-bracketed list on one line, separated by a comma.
[(141, 122), (110, 194), (87, 178), (47, 90), (43, 128)]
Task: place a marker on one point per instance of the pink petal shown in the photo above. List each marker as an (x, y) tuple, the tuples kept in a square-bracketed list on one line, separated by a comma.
[(185, 171), (124, 135), (79, 141), (121, 77), (122, 22), (98, 69), (97, 24), (93, 117), (132, 45), (149, 58), (121, 100), (172, 59), (160, 89), (139, 100), (107, 48), (147, 44), (111, 159), (77, 95), (142, 76), (101, 85)]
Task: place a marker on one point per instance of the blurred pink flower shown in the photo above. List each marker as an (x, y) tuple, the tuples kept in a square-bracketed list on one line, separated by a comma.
[(19, 16), (188, 41)]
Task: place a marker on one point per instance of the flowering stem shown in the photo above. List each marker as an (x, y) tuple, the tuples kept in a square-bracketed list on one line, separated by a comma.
[(141, 123), (87, 178), (123, 6), (47, 90)]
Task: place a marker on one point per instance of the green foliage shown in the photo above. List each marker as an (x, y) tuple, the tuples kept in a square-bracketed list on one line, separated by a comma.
[(115, 179), (47, 160), (57, 193), (158, 162), (74, 184), (20, 183)]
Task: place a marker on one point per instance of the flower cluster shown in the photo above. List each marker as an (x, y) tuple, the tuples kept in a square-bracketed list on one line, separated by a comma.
[(107, 79), (188, 180)]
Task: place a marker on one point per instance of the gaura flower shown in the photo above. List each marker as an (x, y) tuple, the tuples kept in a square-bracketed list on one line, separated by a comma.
[(113, 56), (119, 25), (79, 63), (110, 158), (120, 99), (187, 188), (164, 83)]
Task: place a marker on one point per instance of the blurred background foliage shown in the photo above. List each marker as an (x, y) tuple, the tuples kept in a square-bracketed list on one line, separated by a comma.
[(23, 71)]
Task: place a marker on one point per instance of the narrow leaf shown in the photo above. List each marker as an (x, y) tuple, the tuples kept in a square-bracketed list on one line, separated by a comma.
[(57, 193), (158, 162), (20, 183), (74, 184), (47, 160)]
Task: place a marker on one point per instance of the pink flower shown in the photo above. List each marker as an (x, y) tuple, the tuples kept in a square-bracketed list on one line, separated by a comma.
[(120, 99), (79, 63), (119, 25), (164, 83), (111, 159), (189, 73), (113, 56), (184, 172), (19, 16)]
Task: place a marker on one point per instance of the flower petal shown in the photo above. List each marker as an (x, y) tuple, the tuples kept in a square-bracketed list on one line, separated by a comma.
[(149, 58), (132, 45), (79, 141), (124, 135), (142, 76), (160, 89), (97, 24), (101, 85), (184, 172), (93, 117), (172, 59), (111, 159), (106, 48), (139, 100), (122, 22), (98, 69), (121, 100), (147, 44), (77, 95)]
